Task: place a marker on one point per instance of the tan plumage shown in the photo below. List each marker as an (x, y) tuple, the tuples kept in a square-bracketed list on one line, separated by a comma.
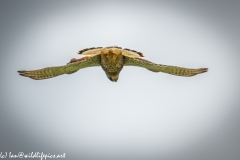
[(112, 60)]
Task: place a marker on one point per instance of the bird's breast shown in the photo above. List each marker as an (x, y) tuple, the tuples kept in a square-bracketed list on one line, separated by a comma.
[(112, 60)]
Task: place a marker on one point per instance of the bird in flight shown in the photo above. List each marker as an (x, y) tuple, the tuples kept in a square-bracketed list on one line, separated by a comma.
[(112, 60)]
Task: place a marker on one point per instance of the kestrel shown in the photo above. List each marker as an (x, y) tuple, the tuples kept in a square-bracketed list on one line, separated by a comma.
[(111, 59)]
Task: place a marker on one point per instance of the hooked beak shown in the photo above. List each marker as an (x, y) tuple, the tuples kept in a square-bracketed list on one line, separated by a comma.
[(113, 77)]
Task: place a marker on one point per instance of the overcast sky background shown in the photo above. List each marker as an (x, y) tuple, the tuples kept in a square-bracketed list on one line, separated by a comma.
[(145, 115)]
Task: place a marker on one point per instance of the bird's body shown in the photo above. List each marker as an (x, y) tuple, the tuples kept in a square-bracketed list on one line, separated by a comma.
[(112, 60)]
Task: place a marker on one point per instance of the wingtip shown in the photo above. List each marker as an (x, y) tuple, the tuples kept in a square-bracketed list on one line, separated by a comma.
[(24, 74), (21, 74), (197, 71), (201, 70), (21, 71), (204, 70)]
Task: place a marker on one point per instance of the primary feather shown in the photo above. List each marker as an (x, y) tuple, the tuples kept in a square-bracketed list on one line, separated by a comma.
[(72, 67), (174, 70)]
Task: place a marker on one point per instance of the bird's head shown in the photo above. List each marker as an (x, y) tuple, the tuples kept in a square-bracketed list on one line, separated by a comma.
[(113, 76)]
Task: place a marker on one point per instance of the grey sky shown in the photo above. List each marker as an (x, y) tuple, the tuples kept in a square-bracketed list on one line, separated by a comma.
[(145, 115)]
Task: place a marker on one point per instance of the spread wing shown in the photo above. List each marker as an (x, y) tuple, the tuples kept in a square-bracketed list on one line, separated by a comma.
[(174, 70), (51, 72)]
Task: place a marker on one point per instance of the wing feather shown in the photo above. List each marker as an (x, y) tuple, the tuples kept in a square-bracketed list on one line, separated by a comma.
[(91, 51), (98, 50), (174, 70), (131, 53), (51, 72)]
